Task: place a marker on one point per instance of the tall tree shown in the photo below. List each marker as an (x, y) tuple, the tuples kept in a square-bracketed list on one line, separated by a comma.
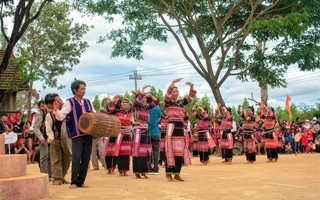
[(218, 38), (22, 18), (53, 45)]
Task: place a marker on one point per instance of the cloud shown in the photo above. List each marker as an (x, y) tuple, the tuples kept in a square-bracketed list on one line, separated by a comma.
[(164, 62)]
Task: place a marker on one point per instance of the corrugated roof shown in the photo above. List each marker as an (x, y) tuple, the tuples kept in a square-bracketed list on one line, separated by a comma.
[(10, 77)]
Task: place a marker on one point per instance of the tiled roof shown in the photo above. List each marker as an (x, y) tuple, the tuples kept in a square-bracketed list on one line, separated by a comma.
[(10, 74)]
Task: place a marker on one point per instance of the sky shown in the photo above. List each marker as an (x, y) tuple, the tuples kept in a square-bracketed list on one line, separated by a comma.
[(164, 62)]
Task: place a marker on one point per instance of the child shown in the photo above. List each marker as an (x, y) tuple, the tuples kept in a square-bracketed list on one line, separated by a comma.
[(19, 148), (288, 148), (309, 148)]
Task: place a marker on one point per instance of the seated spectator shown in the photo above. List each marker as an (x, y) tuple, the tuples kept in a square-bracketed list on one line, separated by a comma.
[(288, 148), (309, 147), (19, 148), (259, 142)]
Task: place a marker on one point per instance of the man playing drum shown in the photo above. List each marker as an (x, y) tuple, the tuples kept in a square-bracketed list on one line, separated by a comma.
[(73, 108)]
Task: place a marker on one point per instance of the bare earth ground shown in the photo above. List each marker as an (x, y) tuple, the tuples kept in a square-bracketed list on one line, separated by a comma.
[(292, 177)]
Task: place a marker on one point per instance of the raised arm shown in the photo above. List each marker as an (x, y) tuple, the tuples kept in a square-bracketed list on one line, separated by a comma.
[(102, 105), (168, 94)]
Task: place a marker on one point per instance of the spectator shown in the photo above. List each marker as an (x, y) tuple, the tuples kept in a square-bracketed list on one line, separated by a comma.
[(40, 131), (19, 125), (19, 148), (3, 126), (288, 148), (297, 138)]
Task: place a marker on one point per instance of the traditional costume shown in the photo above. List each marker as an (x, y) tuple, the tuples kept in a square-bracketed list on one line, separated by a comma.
[(269, 121), (123, 140), (141, 148), (226, 141), (177, 152)]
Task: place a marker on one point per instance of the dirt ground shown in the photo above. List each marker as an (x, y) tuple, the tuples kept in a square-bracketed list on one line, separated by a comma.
[(292, 177)]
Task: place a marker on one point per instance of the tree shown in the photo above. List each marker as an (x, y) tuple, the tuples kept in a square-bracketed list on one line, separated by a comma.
[(23, 100), (225, 33), (96, 103), (53, 45), (22, 18)]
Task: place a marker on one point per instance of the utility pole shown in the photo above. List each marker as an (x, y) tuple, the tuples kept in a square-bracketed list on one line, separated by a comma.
[(135, 77)]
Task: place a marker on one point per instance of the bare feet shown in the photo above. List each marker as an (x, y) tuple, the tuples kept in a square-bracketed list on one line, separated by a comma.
[(270, 160), (204, 163), (125, 174), (178, 178), (275, 160), (84, 185), (73, 186), (169, 177), (121, 174), (249, 162), (145, 175), (109, 171), (138, 176)]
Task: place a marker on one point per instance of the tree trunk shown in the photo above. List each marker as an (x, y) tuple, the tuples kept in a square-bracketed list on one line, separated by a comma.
[(29, 98), (264, 94), (217, 95)]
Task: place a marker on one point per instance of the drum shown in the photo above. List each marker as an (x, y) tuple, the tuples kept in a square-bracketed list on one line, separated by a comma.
[(238, 148), (66, 142), (99, 124)]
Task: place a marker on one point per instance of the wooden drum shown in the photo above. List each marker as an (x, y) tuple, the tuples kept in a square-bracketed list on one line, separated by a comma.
[(99, 124)]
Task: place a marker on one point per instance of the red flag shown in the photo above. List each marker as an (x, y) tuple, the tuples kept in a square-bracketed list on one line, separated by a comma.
[(288, 98)]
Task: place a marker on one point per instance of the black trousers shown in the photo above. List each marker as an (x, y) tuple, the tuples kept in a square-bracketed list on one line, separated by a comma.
[(81, 152), (155, 142)]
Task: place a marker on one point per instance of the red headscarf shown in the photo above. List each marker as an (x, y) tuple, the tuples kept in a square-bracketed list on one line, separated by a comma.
[(17, 142)]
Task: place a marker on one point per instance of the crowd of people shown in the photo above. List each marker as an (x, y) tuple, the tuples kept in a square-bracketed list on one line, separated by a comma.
[(149, 136)]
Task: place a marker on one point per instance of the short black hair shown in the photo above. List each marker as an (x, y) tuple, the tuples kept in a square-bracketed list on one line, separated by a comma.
[(46, 98), (41, 102), (3, 114), (76, 84), (52, 97)]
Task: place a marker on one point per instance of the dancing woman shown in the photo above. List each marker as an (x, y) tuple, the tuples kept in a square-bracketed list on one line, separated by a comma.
[(203, 132), (175, 142), (122, 111), (141, 148), (248, 133), (163, 125), (269, 121), (226, 141)]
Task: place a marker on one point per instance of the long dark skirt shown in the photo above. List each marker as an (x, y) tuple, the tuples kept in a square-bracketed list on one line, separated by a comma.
[(251, 156), (226, 153), (141, 164), (124, 156), (162, 157), (178, 131), (111, 160), (203, 147), (272, 153)]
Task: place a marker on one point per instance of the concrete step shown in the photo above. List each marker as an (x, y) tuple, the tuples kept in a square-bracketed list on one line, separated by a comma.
[(32, 186), (2, 151), (13, 165)]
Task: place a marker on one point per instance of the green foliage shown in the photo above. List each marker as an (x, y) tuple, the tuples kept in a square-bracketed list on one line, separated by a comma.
[(302, 111), (96, 103), (235, 115), (53, 44), (225, 31), (245, 104)]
